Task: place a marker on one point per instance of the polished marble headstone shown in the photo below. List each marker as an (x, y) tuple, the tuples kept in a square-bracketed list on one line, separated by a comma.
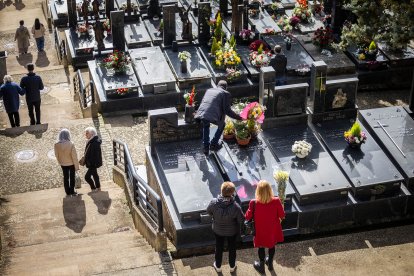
[(72, 16), (109, 6), (371, 172), (136, 35), (204, 12), (316, 178), (169, 33), (117, 25), (152, 69), (318, 86), (394, 129)]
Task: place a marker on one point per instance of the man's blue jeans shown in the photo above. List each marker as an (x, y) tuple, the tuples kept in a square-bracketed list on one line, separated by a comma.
[(206, 134)]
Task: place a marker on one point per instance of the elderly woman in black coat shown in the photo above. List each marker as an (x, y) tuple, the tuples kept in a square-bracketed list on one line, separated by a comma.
[(227, 219), (93, 158), (10, 92)]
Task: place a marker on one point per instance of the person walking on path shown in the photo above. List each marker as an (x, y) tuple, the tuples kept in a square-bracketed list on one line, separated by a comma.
[(93, 158), (38, 31), (267, 212), (32, 84), (227, 219), (22, 36), (10, 91), (67, 158), (214, 107)]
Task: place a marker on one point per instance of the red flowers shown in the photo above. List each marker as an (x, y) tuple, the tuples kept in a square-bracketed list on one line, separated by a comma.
[(122, 91), (254, 46), (323, 37), (190, 97)]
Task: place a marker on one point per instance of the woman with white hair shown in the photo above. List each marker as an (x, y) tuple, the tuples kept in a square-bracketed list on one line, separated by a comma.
[(10, 91), (93, 158), (67, 157)]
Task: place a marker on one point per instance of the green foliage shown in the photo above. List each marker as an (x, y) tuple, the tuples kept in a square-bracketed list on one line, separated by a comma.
[(242, 132), (215, 46), (356, 130), (372, 46), (218, 30), (232, 42), (260, 49)]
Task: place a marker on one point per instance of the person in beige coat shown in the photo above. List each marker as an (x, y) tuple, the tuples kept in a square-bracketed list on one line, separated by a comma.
[(38, 31), (67, 157), (22, 36)]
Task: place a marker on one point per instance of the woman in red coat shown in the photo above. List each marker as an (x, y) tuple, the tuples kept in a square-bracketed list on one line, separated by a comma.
[(267, 212)]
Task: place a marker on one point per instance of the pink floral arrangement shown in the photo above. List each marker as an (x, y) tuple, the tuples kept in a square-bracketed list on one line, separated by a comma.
[(254, 112), (246, 34)]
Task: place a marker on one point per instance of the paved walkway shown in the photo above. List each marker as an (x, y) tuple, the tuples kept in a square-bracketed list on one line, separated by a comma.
[(47, 233)]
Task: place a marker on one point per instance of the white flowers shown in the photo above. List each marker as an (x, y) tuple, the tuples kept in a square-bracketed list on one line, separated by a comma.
[(184, 55), (301, 148)]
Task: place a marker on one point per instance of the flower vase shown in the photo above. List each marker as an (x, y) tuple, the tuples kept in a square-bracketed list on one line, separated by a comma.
[(228, 136), (288, 46), (184, 66), (189, 113), (243, 142)]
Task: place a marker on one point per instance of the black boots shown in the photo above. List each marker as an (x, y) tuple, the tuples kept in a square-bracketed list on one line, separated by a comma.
[(259, 266), (269, 263)]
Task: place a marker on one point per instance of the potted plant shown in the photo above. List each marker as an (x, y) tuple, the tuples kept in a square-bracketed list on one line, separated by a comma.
[(281, 177), (301, 148), (355, 137), (372, 52), (229, 130), (242, 134), (189, 106), (183, 56), (253, 113), (117, 61), (232, 75)]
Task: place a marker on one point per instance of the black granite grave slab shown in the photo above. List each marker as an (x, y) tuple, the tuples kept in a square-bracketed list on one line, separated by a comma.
[(370, 171), (263, 21), (315, 178), (111, 81), (287, 100), (405, 57), (192, 177), (338, 63), (152, 27), (197, 70), (380, 64), (136, 35), (80, 48), (296, 57), (154, 74), (396, 136)]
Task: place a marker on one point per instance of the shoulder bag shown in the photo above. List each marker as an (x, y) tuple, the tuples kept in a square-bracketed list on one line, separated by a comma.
[(82, 160), (249, 228)]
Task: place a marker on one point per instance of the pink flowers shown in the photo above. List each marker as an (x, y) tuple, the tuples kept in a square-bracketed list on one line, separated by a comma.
[(253, 111)]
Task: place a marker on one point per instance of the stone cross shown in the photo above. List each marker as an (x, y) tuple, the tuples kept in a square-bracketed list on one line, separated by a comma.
[(204, 12), (318, 86), (117, 27), (109, 6), (72, 17), (169, 33)]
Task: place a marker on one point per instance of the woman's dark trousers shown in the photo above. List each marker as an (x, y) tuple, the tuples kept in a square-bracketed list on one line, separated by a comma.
[(69, 179), (14, 119), (231, 242), (93, 173)]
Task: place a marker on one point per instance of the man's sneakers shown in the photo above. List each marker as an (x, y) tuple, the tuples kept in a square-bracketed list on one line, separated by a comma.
[(218, 269), (232, 269)]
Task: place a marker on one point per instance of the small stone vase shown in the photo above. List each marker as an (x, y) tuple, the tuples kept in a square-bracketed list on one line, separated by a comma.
[(189, 113), (288, 46), (184, 66), (355, 145)]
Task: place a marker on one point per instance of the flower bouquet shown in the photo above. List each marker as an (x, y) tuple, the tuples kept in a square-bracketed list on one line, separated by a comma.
[(226, 57), (229, 130), (302, 11), (323, 37), (122, 91), (246, 34), (118, 61), (254, 46), (107, 26), (281, 177), (189, 105), (254, 114), (269, 31), (284, 23), (232, 75), (184, 55), (301, 148), (294, 21), (83, 29), (355, 137), (260, 58)]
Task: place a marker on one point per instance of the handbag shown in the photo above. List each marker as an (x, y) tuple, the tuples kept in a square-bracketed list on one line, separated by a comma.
[(249, 228), (82, 160), (78, 181)]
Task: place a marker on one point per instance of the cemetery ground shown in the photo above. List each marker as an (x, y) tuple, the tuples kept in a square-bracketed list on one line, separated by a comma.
[(41, 235)]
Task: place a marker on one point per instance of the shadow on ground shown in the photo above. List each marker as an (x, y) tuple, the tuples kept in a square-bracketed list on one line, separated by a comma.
[(101, 200), (74, 213)]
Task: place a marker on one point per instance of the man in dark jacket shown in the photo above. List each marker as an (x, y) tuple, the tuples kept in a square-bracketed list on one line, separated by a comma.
[(93, 158), (279, 62), (32, 84), (227, 219), (10, 91), (214, 107)]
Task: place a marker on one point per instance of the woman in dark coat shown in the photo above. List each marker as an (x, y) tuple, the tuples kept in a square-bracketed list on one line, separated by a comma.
[(267, 212), (227, 218), (10, 91), (93, 158)]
